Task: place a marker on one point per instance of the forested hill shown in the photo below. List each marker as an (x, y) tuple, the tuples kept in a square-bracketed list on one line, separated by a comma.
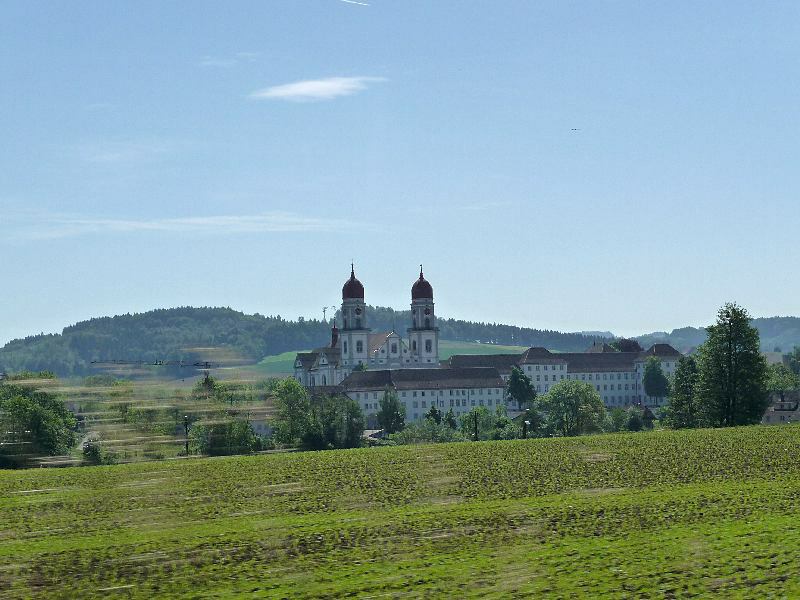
[(183, 333), (187, 334)]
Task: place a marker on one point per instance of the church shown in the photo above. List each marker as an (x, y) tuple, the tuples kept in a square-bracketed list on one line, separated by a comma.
[(362, 364), (356, 347)]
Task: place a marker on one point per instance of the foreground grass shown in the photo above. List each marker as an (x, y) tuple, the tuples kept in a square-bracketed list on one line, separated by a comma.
[(664, 514)]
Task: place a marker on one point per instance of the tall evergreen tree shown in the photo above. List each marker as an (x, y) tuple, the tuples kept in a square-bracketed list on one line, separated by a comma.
[(656, 384), (732, 371), (682, 410), (391, 413)]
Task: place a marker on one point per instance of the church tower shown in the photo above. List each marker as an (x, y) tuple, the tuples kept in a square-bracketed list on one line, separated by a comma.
[(423, 335), (354, 334)]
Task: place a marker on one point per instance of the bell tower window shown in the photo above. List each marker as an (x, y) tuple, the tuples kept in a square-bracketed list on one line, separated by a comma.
[(427, 323), (414, 345), (428, 346)]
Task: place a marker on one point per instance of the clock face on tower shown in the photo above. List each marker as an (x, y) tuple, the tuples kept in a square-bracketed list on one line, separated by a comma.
[(427, 311), (358, 311)]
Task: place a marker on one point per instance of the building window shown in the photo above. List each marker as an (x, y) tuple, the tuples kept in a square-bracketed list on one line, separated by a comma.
[(415, 404), (537, 367), (345, 347), (428, 346), (414, 394), (359, 347), (394, 348), (414, 345), (427, 323)]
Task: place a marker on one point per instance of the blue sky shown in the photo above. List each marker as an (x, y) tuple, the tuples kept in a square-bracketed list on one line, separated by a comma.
[(623, 166)]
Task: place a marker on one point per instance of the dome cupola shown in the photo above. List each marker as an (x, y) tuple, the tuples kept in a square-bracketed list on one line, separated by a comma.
[(352, 288), (421, 290)]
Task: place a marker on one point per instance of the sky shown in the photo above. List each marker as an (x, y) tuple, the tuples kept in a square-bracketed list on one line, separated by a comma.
[(622, 166)]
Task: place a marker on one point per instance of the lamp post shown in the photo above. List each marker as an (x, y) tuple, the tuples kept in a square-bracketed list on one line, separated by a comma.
[(186, 432), (476, 425)]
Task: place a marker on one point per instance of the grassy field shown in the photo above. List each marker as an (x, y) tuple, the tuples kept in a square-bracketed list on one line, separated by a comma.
[(280, 365), (661, 515)]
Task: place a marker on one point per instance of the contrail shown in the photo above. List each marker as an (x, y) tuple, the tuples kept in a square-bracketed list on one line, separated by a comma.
[(354, 2)]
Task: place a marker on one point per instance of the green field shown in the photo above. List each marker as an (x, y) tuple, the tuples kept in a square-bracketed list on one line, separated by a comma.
[(280, 365), (661, 514)]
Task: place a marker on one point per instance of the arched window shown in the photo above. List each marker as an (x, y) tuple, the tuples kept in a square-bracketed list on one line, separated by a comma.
[(427, 323), (414, 345), (345, 346), (359, 347), (324, 380), (428, 346), (358, 323)]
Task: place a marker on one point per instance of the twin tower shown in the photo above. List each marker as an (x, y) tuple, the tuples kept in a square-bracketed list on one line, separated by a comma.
[(359, 346)]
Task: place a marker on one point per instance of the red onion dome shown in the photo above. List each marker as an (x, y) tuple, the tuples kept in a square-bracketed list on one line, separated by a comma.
[(352, 288), (421, 288)]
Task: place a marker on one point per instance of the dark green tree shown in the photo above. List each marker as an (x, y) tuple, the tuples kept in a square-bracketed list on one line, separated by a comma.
[(434, 414), (335, 422), (635, 419), (656, 384), (573, 408), (780, 380), (391, 413), (222, 437), (626, 345), (794, 360), (294, 412), (520, 388), (32, 424), (450, 419), (732, 381), (682, 410)]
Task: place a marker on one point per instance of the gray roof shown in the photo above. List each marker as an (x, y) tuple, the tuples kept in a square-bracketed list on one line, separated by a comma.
[(431, 379), (577, 362)]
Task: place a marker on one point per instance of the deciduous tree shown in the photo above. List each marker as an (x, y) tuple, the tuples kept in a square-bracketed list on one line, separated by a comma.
[(520, 388), (780, 380), (573, 408)]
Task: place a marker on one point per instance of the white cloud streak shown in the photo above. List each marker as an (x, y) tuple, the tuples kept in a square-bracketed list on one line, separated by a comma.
[(354, 2), (228, 62), (316, 89), (269, 222)]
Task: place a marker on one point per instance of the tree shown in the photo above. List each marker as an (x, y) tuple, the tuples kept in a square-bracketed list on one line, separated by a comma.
[(682, 410), (434, 414), (616, 419), (794, 360), (391, 413), (520, 388), (450, 419), (294, 408), (635, 419), (626, 345), (780, 380), (573, 408), (335, 422), (32, 424), (427, 432), (656, 384), (732, 371), (222, 437)]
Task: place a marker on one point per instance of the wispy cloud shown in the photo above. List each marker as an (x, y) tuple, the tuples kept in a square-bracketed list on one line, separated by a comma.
[(110, 152), (60, 226), (228, 61), (354, 2), (481, 206), (316, 89)]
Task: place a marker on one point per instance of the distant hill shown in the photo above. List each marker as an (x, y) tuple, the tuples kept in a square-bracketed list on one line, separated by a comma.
[(192, 334), (223, 334), (776, 332)]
